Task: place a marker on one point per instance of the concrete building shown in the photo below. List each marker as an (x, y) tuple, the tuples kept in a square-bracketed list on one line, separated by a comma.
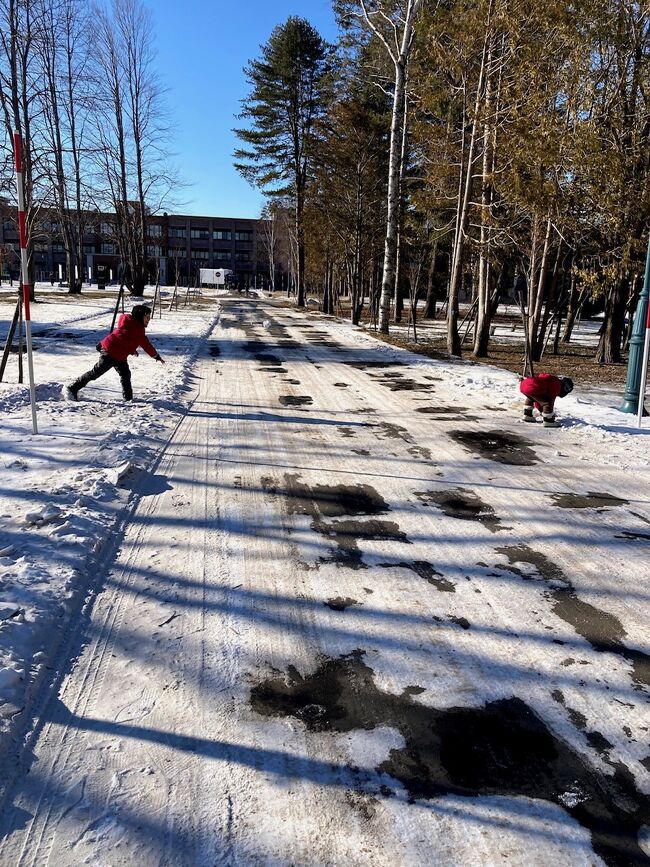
[(179, 246)]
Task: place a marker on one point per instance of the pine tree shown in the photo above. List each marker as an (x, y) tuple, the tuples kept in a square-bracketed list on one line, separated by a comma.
[(289, 85), (350, 184)]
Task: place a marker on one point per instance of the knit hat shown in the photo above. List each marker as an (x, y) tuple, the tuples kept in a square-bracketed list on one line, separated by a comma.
[(566, 385), (140, 311)]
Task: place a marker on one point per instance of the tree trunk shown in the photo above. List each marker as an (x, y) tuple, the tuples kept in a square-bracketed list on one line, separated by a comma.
[(300, 244), (609, 344), (551, 304), (392, 219), (536, 298), (575, 302), (453, 338), (491, 110), (17, 105), (399, 289), (483, 313), (430, 300)]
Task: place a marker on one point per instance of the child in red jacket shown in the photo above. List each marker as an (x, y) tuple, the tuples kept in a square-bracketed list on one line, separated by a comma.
[(116, 347), (541, 392)]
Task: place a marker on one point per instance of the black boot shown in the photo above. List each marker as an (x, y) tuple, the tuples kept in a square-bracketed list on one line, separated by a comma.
[(551, 421)]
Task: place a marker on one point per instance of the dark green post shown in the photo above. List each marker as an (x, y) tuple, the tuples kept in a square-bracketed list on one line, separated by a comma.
[(635, 358)]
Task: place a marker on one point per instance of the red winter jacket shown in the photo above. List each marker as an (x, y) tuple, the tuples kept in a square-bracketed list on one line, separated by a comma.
[(126, 338), (543, 389)]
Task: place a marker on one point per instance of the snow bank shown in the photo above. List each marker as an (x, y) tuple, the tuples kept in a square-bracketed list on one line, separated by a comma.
[(66, 493)]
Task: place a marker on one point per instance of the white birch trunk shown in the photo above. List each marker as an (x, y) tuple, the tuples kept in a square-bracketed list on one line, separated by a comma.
[(398, 49)]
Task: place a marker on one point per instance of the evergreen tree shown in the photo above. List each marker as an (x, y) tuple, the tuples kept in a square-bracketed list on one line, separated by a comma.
[(350, 185), (289, 86)]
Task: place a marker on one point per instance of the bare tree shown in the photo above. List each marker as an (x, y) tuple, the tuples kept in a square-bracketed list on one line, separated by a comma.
[(63, 52), (132, 132), (394, 26), (269, 240), (19, 91)]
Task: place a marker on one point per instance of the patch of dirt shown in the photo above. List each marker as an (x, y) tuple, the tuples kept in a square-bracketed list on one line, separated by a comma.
[(463, 504), (497, 446), (590, 500), (295, 400), (424, 570), (500, 748), (340, 603), (603, 631)]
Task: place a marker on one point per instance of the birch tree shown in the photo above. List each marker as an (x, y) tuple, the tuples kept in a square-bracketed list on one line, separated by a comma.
[(269, 240), (394, 26)]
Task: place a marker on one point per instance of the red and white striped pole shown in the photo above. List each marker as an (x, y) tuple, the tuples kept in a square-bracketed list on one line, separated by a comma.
[(644, 369), (24, 274)]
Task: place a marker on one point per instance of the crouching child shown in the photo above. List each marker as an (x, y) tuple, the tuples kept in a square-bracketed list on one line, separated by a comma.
[(541, 392), (115, 349)]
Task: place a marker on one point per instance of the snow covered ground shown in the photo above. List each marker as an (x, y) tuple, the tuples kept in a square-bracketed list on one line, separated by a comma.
[(65, 493), (315, 600)]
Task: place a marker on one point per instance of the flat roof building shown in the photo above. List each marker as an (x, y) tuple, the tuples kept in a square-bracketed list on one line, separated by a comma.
[(178, 246)]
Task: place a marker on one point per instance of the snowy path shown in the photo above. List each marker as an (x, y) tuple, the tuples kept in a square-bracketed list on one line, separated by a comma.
[(338, 633)]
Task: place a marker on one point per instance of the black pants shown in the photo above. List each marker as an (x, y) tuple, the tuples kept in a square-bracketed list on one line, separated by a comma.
[(105, 363)]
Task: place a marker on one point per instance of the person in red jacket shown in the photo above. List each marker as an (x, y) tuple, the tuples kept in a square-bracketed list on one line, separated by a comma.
[(541, 392), (115, 349)]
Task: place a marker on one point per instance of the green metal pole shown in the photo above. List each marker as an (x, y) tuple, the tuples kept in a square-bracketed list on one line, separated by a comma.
[(635, 358)]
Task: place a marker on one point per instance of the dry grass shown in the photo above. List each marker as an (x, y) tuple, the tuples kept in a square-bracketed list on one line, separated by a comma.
[(574, 361)]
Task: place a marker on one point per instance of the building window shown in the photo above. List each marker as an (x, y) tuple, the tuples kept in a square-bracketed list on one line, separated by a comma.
[(200, 254), (243, 256), (200, 234), (89, 248), (40, 246), (246, 235), (221, 235), (177, 232), (107, 229), (108, 249), (58, 248), (155, 231), (222, 255), (154, 250)]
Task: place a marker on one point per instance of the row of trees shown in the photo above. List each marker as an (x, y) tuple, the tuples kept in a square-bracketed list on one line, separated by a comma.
[(466, 148), (77, 82)]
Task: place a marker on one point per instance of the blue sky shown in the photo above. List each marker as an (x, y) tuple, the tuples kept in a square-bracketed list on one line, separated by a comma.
[(203, 46)]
